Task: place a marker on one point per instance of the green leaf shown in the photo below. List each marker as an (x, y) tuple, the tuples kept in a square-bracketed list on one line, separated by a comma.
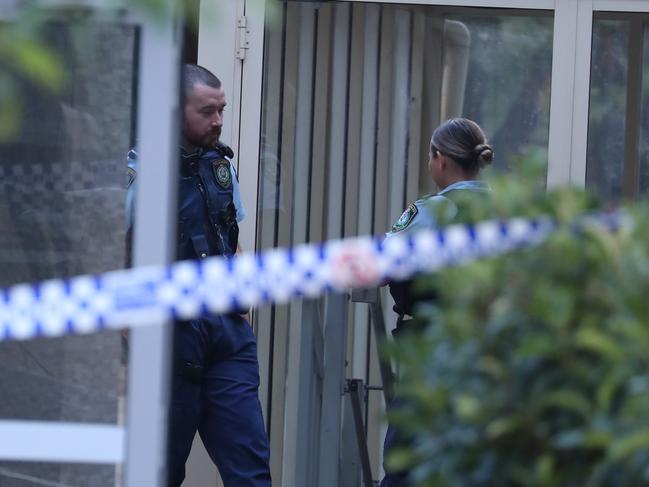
[(467, 407), (597, 342), (567, 399), (400, 459), (544, 470), (502, 426), (536, 346), (607, 388), (492, 366), (572, 439), (39, 63), (627, 446), (597, 439)]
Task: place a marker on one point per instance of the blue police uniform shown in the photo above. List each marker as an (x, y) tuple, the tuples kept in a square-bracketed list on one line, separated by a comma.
[(428, 213), (437, 210), (216, 371)]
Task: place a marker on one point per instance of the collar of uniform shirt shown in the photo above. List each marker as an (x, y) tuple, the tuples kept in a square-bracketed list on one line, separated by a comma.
[(474, 185)]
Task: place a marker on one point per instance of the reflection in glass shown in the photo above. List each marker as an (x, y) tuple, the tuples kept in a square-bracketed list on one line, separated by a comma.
[(351, 94), (62, 213), (508, 83), (643, 169), (607, 117)]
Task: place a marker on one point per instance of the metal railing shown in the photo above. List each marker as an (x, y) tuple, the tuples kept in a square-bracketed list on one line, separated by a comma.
[(357, 390)]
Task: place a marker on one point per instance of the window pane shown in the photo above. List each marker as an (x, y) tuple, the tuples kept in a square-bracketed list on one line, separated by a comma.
[(351, 94), (643, 170), (607, 118), (508, 83), (24, 474), (62, 213)]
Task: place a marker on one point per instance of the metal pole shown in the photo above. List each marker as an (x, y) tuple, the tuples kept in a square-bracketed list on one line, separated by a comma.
[(356, 394), (157, 129), (373, 298)]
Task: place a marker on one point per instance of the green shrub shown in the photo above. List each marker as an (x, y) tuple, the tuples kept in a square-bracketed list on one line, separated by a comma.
[(534, 367)]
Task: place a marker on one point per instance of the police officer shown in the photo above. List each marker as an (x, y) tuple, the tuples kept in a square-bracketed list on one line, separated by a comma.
[(458, 151), (216, 372)]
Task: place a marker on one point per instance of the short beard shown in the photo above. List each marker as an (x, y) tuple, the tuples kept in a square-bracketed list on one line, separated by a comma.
[(212, 141)]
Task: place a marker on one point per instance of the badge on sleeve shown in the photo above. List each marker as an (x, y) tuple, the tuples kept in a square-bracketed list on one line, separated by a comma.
[(132, 174), (222, 173), (405, 219)]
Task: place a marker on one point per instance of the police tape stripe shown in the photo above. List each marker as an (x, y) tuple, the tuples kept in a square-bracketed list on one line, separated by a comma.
[(189, 289)]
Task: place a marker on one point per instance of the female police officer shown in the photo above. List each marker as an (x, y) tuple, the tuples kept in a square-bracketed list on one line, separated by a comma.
[(458, 151)]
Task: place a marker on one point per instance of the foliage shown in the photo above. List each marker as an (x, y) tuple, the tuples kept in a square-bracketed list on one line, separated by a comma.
[(28, 61), (534, 367), (24, 55)]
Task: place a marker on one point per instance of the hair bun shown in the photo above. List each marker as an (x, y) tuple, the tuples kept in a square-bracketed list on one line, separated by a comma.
[(483, 154)]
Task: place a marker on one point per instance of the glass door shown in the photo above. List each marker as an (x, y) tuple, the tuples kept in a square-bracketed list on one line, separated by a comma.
[(62, 205), (618, 153), (351, 92), (83, 86)]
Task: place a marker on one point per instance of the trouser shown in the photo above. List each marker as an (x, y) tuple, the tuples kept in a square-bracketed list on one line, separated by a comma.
[(394, 437), (215, 392)]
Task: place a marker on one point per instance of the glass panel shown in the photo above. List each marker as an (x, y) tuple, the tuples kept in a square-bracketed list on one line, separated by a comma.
[(508, 83), (351, 95), (495, 69), (607, 118), (643, 170), (618, 147), (23, 474), (62, 213)]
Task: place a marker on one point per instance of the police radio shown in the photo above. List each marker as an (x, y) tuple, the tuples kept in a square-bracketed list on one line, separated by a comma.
[(225, 149)]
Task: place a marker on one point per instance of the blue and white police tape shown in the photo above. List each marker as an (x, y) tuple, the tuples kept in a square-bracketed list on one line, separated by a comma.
[(189, 289)]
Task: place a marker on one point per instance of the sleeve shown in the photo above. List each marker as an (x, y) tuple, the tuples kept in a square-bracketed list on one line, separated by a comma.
[(236, 195), (426, 214), (131, 182), (411, 220), (418, 216), (131, 188)]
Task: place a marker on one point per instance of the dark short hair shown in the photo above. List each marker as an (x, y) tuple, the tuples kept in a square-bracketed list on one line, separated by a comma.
[(464, 141), (193, 74)]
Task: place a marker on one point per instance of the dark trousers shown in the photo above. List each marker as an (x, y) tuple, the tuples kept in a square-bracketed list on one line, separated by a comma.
[(218, 397), (393, 479), (394, 437)]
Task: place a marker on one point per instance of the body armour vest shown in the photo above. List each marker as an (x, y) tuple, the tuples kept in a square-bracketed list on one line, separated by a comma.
[(207, 223)]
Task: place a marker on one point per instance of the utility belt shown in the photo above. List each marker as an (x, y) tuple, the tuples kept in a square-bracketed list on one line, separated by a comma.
[(193, 365)]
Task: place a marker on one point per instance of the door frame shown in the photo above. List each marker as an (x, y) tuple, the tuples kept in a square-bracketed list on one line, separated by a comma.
[(140, 445)]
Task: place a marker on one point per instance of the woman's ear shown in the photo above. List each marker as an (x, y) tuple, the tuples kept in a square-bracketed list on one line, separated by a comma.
[(443, 161)]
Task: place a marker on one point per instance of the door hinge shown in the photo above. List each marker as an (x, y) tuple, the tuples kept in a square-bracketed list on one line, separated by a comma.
[(243, 43)]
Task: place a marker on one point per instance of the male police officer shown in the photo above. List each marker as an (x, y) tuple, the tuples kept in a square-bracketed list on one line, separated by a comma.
[(216, 372)]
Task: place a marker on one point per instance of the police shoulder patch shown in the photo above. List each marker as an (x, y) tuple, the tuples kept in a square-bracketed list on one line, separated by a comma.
[(132, 174), (405, 219), (221, 168)]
